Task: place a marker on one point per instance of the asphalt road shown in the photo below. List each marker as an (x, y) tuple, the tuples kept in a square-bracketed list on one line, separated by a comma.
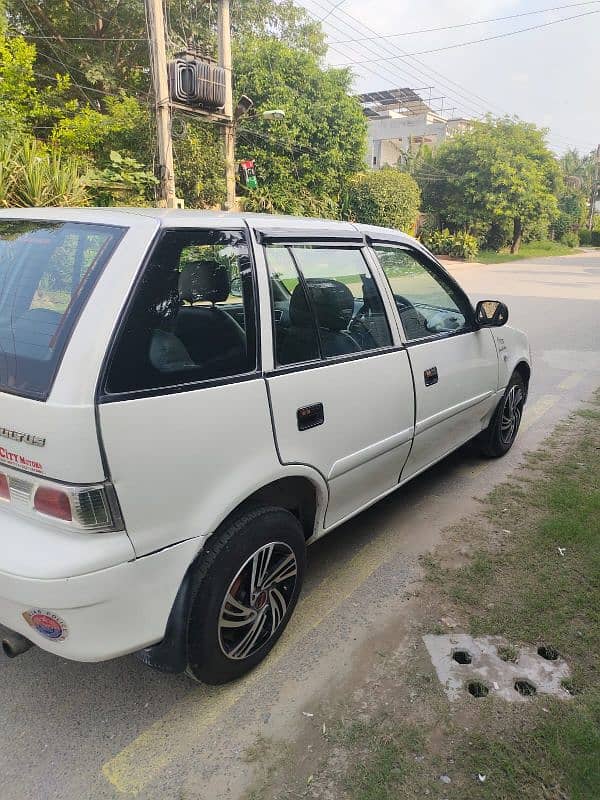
[(75, 731)]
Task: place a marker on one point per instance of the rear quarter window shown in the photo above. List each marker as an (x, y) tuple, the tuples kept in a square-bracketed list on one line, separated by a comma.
[(47, 272)]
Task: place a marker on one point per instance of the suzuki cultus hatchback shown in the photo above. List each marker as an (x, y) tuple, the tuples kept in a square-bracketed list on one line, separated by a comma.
[(188, 399)]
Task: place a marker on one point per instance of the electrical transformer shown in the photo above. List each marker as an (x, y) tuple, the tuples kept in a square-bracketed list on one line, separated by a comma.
[(196, 82)]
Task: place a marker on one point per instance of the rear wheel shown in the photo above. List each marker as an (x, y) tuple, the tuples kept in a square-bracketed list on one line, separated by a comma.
[(245, 591), (502, 431)]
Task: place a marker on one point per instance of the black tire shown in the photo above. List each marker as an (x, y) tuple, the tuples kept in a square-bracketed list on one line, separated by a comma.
[(221, 645), (497, 439)]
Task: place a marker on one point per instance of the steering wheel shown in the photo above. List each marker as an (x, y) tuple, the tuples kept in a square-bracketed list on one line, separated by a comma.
[(415, 324), (360, 330)]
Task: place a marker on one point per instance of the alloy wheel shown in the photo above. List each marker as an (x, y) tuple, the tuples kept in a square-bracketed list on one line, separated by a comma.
[(511, 414), (257, 600)]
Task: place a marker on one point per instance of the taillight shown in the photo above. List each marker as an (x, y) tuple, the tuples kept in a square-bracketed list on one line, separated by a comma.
[(53, 502), (87, 509)]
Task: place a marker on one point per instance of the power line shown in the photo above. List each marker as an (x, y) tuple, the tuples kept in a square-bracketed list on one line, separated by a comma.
[(477, 41), (86, 88), (466, 24), (100, 40), (426, 71), (54, 50), (330, 12), (464, 102), (392, 71), (361, 28)]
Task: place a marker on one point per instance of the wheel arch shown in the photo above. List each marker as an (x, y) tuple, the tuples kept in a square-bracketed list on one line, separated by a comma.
[(298, 494), (524, 370)]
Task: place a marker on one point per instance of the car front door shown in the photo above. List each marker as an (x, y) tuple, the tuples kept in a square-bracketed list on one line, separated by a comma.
[(454, 363), (341, 388)]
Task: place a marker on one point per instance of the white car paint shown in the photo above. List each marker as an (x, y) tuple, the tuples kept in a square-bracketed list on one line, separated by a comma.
[(175, 480)]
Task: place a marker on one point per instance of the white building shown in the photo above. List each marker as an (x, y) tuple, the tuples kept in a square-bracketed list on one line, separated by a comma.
[(399, 122)]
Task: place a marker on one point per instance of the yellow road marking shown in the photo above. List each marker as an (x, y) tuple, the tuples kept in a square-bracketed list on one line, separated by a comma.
[(571, 380), (175, 734), (535, 412)]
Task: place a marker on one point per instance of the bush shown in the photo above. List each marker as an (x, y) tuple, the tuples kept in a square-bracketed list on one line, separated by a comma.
[(123, 182), (385, 197), (464, 246), (458, 245), (570, 238), (596, 238), (299, 203), (585, 236), (439, 242), (32, 174)]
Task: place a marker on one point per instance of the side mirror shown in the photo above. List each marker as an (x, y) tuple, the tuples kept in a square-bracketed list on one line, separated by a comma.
[(491, 313)]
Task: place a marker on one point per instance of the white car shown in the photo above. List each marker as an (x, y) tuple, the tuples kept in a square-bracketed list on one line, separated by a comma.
[(188, 399)]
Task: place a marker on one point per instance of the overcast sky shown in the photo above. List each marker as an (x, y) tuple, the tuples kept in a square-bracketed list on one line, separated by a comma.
[(549, 76)]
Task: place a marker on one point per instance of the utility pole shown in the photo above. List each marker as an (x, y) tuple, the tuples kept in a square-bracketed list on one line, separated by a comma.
[(158, 65), (224, 38), (595, 186)]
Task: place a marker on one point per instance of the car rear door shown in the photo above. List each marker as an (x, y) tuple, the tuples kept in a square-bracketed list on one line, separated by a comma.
[(340, 388), (183, 407), (454, 363)]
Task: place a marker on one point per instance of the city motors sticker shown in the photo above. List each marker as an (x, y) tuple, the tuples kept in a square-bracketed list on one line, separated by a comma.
[(16, 460)]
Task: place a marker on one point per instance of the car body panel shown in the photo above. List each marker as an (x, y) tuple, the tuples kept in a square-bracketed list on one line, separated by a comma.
[(365, 438)]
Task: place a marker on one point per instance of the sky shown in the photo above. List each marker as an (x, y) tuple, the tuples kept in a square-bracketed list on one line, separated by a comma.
[(549, 76)]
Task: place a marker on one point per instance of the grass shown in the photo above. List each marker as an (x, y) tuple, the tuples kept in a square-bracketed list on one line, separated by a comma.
[(529, 250), (523, 588), (413, 742)]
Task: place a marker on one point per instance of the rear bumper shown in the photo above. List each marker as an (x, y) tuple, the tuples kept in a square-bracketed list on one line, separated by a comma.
[(103, 614)]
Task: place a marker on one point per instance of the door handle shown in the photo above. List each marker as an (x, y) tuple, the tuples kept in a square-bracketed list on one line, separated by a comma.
[(310, 416), (431, 376)]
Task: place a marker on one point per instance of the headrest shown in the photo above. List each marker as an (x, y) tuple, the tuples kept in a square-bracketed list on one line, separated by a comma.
[(206, 281), (333, 302), (300, 314)]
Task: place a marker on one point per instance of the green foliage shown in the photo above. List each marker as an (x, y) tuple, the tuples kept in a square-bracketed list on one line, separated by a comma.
[(385, 197), (22, 105), (572, 213), (32, 174), (585, 236), (114, 53), (570, 238), (123, 182), (300, 203), (322, 140), (499, 175), (578, 171), (458, 245)]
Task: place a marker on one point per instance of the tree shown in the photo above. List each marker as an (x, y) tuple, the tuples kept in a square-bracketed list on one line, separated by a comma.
[(578, 170), (385, 197), (103, 43), (103, 46), (499, 176), (311, 154)]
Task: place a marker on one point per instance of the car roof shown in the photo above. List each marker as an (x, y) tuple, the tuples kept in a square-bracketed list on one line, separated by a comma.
[(169, 217)]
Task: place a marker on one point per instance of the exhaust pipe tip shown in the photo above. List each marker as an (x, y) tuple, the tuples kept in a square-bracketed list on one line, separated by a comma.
[(14, 645)]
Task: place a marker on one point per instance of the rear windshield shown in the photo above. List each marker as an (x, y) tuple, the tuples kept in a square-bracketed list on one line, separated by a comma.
[(47, 271)]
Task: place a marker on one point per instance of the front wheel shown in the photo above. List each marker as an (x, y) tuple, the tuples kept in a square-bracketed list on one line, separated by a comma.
[(245, 590), (499, 436)]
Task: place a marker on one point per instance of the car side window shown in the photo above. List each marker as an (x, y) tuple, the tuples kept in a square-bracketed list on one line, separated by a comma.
[(428, 305), (325, 303), (192, 317)]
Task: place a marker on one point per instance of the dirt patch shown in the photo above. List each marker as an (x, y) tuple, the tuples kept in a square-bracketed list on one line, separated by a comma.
[(523, 567)]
